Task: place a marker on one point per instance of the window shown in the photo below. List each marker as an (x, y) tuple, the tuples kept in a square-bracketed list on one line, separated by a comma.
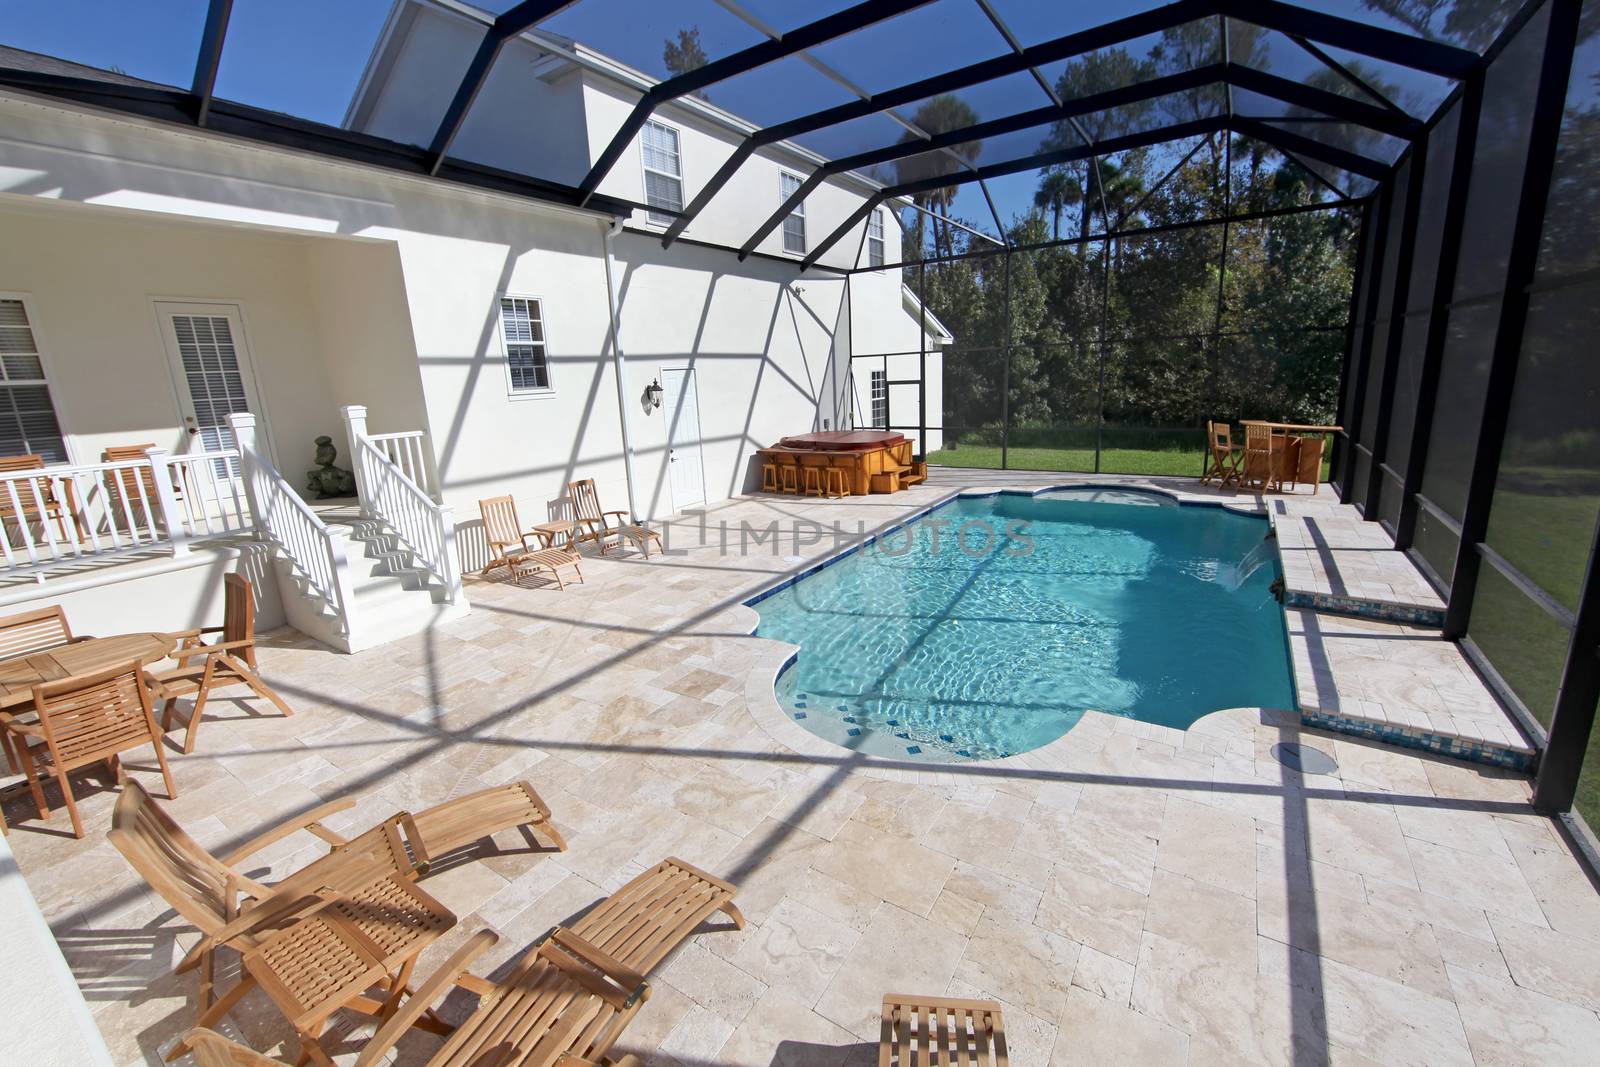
[(875, 238), (28, 424), (794, 226), (880, 398), (522, 330), (663, 172)]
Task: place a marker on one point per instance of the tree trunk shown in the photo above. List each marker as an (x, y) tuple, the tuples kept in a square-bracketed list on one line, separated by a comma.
[(1085, 210)]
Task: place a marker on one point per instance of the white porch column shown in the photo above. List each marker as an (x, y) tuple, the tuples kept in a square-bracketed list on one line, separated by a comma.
[(171, 517), (243, 425), (355, 428)]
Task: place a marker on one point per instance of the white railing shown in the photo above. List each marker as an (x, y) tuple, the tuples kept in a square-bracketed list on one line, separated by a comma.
[(289, 523), (424, 528), (406, 451), (60, 514)]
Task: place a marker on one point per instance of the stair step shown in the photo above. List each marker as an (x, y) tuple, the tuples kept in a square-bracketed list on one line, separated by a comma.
[(392, 597)]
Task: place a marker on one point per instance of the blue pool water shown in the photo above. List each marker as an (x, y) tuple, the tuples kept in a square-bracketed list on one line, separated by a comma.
[(988, 627)]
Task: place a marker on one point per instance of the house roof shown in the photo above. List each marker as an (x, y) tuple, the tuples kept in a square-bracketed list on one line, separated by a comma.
[(39, 63), (935, 329)]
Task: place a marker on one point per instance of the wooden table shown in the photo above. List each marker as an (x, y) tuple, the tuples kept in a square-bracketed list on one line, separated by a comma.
[(549, 531), (1302, 459), (19, 675)]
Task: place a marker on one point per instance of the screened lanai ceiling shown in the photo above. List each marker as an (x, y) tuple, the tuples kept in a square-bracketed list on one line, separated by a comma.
[(975, 97)]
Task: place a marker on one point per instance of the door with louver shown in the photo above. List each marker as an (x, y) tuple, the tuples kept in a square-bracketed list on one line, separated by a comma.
[(28, 423), (211, 362)]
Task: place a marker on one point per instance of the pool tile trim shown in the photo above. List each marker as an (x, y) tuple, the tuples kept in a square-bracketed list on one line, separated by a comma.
[(1461, 748), (1357, 607)]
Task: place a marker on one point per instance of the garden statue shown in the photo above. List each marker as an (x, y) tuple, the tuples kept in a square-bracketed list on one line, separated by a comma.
[(328, 480)]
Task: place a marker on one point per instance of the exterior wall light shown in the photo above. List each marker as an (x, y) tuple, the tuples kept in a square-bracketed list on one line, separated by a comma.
[(652, 396)]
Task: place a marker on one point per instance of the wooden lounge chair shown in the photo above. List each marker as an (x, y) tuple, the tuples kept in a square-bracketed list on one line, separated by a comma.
[(569, 997), (33, 631), (939, 1031), (564, 999), (229, 662), (564, 1003), (213, 895), (509, 548), (599, 525), (211, 1049), (37, 498), (206, 891), (1225, 457), (646, 919), (88, 719)]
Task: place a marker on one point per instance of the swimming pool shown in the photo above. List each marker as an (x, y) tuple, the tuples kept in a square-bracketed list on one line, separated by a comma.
[(988, 627)]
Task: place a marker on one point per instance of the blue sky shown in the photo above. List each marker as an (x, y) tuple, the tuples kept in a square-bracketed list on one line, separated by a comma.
[(304, 57)]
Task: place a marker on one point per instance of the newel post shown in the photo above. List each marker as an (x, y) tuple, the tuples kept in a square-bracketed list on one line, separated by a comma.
[(449, 562), (355, 428), (161, 472), (243, 425)]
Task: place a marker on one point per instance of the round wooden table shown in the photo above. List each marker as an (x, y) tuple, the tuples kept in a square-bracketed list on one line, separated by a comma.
[(20, 674)]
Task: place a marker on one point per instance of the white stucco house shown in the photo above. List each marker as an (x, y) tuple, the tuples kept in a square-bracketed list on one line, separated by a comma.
[(226, 297)]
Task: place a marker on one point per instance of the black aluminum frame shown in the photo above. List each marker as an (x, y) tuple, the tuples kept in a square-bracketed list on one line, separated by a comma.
[(1398, 302), (1454, 219), (518, 19)]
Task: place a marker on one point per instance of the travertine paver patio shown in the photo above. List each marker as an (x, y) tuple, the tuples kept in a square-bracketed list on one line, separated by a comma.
[(1152, 896), (1329, 551)]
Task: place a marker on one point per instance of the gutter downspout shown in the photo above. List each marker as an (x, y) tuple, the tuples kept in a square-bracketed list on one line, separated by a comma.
[(608, 232)]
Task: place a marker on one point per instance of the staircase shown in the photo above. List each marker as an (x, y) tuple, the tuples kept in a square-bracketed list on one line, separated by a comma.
[(389, 595), (357, 573)]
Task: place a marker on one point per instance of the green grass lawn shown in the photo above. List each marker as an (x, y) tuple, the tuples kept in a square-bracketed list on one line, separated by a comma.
[(1547, 537), (1183, 463)]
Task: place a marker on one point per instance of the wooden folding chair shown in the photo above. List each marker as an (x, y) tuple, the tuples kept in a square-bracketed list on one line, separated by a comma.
[(91, 718), (1223, 469), (36, 499), (599, 525), (136, 482), (228, 662), (509, 548), (1263, 457), (38, 630)]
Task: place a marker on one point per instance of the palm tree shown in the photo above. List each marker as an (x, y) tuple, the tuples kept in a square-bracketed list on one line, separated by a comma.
[(1058, 190), (938, 115)]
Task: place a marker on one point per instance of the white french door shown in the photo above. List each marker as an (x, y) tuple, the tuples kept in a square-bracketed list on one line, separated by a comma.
[(210, 363), (684, 460)]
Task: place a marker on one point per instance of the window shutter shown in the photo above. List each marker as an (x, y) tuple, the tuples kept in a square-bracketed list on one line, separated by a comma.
[(522, 330), (28, 423)]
